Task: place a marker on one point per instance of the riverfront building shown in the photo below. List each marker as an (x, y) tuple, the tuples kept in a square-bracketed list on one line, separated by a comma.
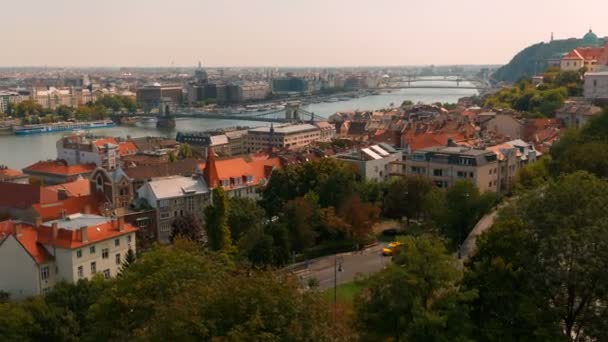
[(288, 137)]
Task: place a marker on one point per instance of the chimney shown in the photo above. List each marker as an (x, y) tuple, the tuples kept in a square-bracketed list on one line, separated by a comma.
[(83, 234), (55, 230), (121, 224), (17, 229)]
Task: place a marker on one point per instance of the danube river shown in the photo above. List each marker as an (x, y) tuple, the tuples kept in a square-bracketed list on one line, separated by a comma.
[(18, 152)]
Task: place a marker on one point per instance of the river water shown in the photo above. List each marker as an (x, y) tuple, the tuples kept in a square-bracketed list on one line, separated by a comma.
[(18, 152)]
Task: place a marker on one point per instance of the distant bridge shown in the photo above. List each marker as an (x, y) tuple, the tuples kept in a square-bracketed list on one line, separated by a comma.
[(407, 82), (405, 86), (291, 114)]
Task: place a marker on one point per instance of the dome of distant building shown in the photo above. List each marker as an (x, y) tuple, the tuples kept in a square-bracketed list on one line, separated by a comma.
[(591, 38)]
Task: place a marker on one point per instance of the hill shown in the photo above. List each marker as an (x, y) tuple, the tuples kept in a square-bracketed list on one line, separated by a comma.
[(533, 59)]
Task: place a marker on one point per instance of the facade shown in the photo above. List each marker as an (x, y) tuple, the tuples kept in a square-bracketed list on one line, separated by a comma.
[(512, 156), (103, 152), (115, 186), (327, 130), (375, 163), (504, 125), (582, 57), (149, 97), (447, 165), (255, 91), (290, 84), (34, 258), (58, 171), (175, 196), (289, 137), (52, 97), (596, 86), (576, 113)]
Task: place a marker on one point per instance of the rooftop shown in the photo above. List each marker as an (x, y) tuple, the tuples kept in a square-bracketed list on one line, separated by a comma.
[(75, 221), (59, 167), (285, 129), (176, 186)]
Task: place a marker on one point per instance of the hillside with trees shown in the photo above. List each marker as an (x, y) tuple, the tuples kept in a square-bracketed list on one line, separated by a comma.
[(533, 59)]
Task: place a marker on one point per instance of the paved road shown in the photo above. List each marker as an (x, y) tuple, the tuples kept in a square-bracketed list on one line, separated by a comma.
[(353, 264), (469, 245)]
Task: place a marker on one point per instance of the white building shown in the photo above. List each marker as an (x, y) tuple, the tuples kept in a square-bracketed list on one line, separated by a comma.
[(103, 152), (34, 259), (173, 197), (596, 86), (376, 162), (287, 136)]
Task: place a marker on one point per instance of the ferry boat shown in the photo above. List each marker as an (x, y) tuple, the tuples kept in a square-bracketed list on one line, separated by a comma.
[(62, 126)]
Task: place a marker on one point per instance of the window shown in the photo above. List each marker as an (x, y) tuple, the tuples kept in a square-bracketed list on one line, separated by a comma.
[(165, 227), (79, 253), (165, 215), (93, 267), (106, 274), (437, 172), (104, 253), (80, 271), (129, 238), (461, 174), (117, 242), (44, 273), (92, 250), (117, 258)]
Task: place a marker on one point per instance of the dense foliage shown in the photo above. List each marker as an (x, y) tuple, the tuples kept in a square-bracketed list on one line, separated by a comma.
[(542, 100)]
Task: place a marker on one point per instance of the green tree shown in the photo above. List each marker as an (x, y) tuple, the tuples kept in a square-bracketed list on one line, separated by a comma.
[(416, 297), (405, 197), (188, 227), (244, 215), (547, 259), (130, 258), (184, 151), (216, 222), (15, 322)]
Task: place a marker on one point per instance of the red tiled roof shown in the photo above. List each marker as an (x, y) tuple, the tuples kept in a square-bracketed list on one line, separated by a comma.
[(23, 196), (127, 148), (72, 238), (586, 53), (27, 237), (77, 188), (6, 172), (426, 140), (258, 168), (69, 206), (60, 167), (103, 141)]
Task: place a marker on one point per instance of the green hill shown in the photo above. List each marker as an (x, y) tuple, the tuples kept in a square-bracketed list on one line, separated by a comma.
[(533, 59)]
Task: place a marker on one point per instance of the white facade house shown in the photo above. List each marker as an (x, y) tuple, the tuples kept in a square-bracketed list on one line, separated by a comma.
[(173, 197), (33, 259), (375, 162), (596, 86)]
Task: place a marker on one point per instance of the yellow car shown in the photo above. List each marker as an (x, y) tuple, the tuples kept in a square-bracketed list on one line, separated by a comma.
[(387, 251), (394, 244)]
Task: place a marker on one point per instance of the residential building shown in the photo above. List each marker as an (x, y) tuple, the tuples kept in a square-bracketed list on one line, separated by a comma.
[(596, 86), (77, 188), (505, 125), (290, 85), (175, 196), (239, 176), (512, 156), (12, 176), (52, 97), (288, 137), (327, 130), (254, 91), (103, 152), (376, 162), (447, 165), (58, 171), (576, 113), (34, 258), (582, 57)]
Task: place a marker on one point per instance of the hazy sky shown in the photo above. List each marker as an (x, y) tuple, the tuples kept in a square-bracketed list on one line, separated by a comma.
[(284, 32)]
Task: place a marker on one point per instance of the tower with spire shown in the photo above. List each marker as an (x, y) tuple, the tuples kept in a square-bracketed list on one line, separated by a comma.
[(200, 75)]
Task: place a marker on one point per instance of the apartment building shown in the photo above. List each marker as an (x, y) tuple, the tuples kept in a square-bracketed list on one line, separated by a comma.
[(288, 137), (34, 258), (376, 162), (175, 196), (103, 152), (447, 165)]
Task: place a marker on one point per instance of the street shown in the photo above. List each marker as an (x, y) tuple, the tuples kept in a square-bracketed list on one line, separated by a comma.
[(353, 264)]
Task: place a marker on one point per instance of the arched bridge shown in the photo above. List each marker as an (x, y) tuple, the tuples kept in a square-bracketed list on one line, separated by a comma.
[(409, 82)]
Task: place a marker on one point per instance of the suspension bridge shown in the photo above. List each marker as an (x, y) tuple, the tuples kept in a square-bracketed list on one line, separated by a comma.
[(292, 113), (409, 82)]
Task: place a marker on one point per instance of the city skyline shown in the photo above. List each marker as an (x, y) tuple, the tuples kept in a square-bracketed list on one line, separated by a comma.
[(276, 33)]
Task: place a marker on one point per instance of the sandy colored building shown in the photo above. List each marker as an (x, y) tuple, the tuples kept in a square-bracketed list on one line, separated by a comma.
[(288, 136)]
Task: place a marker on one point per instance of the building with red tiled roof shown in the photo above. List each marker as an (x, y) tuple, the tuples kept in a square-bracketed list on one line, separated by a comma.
[(103, 152), (91, 204), (58, 171), (583, 57), (79, 187), (34, 258), (17, 199), (239, 176), (12, 176)]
